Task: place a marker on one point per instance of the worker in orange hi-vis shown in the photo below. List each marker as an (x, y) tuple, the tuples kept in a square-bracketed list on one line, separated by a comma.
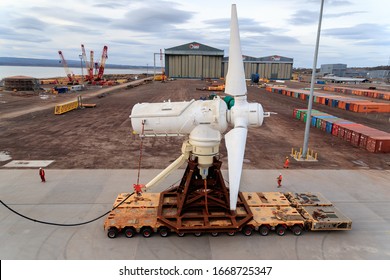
[(286, 163), (42, 174), (138, 189), (279, 179)]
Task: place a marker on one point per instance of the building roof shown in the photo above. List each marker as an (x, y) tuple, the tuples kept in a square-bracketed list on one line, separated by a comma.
[(267, 59), (276, 58), (344, 79), (20, 78), (194, 48)]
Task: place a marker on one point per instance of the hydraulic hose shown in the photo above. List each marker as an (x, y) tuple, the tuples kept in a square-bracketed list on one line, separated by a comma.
[(64, 225)]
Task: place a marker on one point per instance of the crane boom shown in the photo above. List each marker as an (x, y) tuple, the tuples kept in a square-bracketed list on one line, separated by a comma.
[(87, 66), (67, 70), (91, 65), (102, 63)]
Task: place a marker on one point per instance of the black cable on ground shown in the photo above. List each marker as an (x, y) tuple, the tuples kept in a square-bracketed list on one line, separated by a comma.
[(64, 225)]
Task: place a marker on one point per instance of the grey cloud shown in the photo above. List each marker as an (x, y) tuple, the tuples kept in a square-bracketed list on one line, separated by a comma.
[(153, 19), (81, 30), (246, 25), (28, 23), (15, 35), (331, 2), (304, 17), (364, 32), (336, 15)]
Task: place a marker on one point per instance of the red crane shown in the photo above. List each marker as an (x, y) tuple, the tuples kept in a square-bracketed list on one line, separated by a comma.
[(102, 64), (67, 70)]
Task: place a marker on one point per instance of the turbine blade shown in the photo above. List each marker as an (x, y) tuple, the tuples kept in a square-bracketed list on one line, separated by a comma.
[(235, 141), (235, 78)]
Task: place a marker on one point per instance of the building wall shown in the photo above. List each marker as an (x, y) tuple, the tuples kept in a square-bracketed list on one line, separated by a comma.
[(193, 66), (335, 69), (266, 70)]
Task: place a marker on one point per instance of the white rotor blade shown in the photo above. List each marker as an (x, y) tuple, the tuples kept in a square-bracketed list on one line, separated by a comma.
[(235, 78), (235, 141)]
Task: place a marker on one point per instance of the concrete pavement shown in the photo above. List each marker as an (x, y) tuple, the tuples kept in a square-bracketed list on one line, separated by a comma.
[(73, 196)]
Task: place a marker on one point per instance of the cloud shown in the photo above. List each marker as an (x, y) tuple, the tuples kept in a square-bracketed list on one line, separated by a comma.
[(28, 23), (245, 24), (154, 19), (332, 2), (304, 17), (14, 35), (367, 32)]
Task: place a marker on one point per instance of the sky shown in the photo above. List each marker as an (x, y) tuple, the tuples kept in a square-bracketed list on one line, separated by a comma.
[(354, 32)]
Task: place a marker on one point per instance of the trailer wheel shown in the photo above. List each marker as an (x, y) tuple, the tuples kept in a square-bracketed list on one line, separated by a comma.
[(181, 234), (247, 231), (297, 230), (197, 234), (147, 232), (129, 232), (163, 231), (214, 234), (264, 230), (280, 230), (231, 233), (112, 232)]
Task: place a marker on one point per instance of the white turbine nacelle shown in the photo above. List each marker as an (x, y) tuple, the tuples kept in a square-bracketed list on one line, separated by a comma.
[(178, 118)]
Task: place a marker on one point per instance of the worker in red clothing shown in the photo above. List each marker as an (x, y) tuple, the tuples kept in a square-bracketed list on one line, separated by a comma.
[(279, 179), (42, 174), (138, 189), (286, 163)]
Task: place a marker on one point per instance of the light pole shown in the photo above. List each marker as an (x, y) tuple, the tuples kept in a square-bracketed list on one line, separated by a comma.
[(81, 65), (147, 69), (313, 75)]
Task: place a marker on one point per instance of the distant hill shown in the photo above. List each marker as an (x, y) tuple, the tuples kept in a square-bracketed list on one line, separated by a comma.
[(21, 61)]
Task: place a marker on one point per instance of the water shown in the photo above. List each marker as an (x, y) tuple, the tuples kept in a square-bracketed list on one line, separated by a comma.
[(50, 72)]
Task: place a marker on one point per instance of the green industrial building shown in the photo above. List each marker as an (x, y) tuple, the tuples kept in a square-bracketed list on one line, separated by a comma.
[(197, 61)]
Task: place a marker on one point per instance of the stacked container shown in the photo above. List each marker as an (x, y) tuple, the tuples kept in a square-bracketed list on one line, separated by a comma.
[(371, 139), (337, 101)]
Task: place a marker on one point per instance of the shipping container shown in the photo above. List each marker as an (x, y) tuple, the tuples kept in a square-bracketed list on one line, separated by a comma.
[(378, 144)]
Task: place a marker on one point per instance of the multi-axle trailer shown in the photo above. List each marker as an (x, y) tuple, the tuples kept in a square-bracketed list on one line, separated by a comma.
[(260, 212)]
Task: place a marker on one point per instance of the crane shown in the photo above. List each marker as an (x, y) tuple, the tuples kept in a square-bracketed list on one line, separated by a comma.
[(102, 64), (88, 77), (67, 70), (91, 65)]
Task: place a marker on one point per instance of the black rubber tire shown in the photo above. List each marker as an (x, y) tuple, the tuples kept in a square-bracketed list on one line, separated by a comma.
[(112, 232), (214, 234), (264, 230), (231, 233), (164, 232), (181, 234), (296, 230), (147, 232), (197, 234), (129, 232), (280, 230), (247, 231)]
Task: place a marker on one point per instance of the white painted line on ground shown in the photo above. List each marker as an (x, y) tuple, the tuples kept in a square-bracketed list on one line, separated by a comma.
[(29, 163)]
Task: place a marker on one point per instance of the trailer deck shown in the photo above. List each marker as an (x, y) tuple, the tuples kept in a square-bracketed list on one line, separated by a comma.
[(268, 211)]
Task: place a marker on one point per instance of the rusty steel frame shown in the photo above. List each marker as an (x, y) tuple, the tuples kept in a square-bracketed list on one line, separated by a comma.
[(202, 205)]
